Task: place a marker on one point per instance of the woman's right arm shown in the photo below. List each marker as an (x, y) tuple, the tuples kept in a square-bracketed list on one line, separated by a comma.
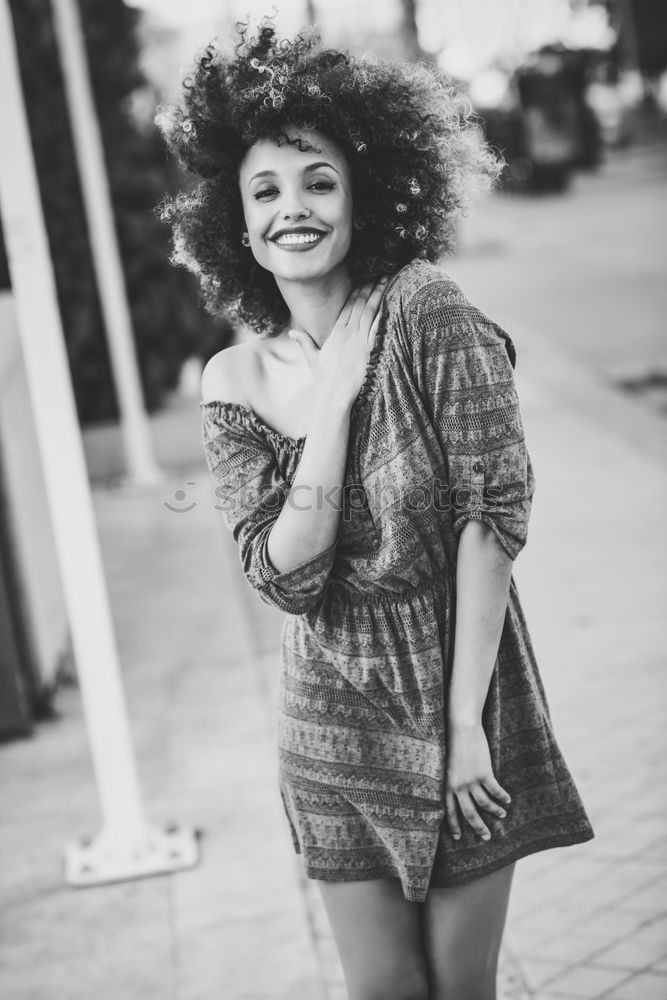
[(307, 525)]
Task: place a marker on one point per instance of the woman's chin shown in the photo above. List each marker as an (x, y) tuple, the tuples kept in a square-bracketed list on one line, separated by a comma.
[(300, 269)]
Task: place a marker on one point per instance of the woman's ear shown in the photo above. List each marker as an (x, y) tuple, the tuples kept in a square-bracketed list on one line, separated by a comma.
[(356, 222)]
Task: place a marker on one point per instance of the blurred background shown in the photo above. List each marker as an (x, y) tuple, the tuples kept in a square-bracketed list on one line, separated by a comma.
[(569, 256)]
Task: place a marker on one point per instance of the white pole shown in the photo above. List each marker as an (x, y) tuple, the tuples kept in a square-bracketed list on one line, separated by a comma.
[(135, 427), (122, 848)]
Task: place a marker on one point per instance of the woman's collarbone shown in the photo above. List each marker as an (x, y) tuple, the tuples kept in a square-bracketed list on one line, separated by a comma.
[(283, 396)]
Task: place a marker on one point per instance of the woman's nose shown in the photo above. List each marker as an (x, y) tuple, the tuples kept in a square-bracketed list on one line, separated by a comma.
[(294, 209)]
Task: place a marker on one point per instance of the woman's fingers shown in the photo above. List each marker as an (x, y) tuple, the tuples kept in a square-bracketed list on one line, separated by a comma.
[(373, 330), (359, 304), (469, 800), (367, 301), (306, 343), (483, 800), (496, 790), (374, 298), (366, 310), (346, 311), (364, 297), (472, 816), (452, 815), (373, 301)]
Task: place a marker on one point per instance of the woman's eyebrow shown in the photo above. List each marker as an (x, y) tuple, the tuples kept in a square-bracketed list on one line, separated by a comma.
[(321, 163), (262, 173), (309, 166)]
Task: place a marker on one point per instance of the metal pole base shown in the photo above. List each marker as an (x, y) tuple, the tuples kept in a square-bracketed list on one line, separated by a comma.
[(115, 855)]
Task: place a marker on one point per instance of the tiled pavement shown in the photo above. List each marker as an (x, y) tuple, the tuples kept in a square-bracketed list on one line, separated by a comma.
[(234, 927), (199, 660), (591, 921)]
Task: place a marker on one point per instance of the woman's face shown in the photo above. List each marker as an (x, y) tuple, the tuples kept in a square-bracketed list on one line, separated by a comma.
[(297, 206)]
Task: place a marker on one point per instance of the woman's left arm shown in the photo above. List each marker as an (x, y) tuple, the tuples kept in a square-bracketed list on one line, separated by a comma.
[(463, 364), (483, 576)]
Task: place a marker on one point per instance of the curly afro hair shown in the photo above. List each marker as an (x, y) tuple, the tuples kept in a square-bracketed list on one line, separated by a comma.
[(415, 148)]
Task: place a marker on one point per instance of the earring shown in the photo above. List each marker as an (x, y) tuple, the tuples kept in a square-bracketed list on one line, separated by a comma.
[(245, 240)]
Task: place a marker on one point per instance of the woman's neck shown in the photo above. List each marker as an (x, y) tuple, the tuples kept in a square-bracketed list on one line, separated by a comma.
[(314, 305)]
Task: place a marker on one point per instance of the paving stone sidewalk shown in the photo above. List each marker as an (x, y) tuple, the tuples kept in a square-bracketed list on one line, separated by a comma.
[(199, 655), (590, 921), (235, 927)]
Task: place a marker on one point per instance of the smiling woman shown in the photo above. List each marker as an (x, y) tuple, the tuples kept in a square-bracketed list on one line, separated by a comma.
[(375, 477), (303, 205), (404, 139)]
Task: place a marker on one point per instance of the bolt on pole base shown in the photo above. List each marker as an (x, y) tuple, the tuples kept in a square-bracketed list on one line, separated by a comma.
[(114, 856)]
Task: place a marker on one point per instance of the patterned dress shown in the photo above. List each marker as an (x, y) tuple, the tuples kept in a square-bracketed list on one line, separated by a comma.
[(436, 439)]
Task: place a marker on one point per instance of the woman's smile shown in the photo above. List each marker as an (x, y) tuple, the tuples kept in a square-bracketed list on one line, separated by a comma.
[(296, 200), (298, 239)]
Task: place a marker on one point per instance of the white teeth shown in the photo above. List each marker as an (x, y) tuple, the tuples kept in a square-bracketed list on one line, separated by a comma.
[(288, 239)]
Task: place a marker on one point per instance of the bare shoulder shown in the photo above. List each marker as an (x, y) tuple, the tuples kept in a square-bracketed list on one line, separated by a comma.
[(230, 374)]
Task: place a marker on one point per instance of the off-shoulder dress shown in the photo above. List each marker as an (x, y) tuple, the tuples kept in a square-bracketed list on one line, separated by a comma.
[(436, 439)]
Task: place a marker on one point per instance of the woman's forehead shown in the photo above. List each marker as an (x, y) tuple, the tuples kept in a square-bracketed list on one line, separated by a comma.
[(274, 154)]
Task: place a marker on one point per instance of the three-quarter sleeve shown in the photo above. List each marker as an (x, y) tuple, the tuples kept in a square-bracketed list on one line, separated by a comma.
[(251, 492), (464, 366)]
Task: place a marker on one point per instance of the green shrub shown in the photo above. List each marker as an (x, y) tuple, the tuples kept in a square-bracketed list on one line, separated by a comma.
[(168, 321)]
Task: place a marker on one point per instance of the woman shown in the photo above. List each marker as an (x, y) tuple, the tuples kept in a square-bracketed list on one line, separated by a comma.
[(369, 457)]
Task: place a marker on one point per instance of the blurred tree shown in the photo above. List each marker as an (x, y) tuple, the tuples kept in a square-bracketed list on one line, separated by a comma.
[(650, 25), (169, 324), (410, 32), (642, 26), (311, 12)]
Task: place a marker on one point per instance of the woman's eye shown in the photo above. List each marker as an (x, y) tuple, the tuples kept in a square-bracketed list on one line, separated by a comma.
[(266, 193)]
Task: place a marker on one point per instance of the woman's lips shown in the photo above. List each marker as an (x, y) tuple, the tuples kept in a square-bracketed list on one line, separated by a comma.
[(299, 241)]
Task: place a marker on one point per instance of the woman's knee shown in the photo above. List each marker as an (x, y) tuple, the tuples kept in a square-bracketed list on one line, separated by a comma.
[(473, 984)]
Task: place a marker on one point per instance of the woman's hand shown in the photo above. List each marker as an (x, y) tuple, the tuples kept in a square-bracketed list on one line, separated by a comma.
[(340, 364), (471, 781)]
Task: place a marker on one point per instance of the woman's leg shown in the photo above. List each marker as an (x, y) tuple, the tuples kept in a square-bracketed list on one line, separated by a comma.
[(463, 928), (377, 933)]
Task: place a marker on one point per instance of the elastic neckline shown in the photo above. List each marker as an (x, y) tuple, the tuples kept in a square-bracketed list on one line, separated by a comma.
[(296, 444), (254, 419)]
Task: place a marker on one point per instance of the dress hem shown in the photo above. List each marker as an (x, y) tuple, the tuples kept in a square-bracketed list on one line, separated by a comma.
[(453, 880)]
